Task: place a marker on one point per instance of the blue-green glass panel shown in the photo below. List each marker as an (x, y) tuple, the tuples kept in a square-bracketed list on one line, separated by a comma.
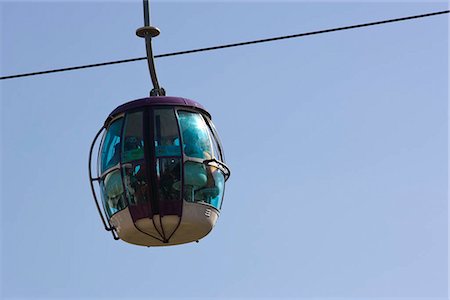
[(195, 178), (217, 148), (167, 140), (112, 193), (203, 184), (219, 183), (110, 154), (196, 140), (212, 192)]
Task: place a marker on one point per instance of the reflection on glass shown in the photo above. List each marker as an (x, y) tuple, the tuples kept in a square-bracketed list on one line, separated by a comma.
[(169, 178), (112, 193), (212, 193), (136, 183), (215, 137), (215, 141), (111, 146), (196, 142), (133, 145), (166, 133), (203, 183), (215, 195), (195, 178)]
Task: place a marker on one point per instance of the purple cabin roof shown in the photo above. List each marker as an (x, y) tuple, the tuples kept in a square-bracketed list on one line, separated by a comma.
[(158, 101)]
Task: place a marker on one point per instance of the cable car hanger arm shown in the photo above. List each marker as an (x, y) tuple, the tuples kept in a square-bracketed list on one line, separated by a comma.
[(148, 32)]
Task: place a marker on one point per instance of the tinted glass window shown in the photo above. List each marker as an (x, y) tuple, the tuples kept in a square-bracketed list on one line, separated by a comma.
[(169, 178), (196, 141), (215, 196), (215, 141), (167, 141), (203, 183), (112, 193), (136, 183), (195, 178), (111, 146), (133, 137)]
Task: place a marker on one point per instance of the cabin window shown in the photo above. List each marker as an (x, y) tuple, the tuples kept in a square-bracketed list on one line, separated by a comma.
[(112, 193), (217, 149), (136, 183), (110, 155), (196, 141), (203, 182), (168, 158), (133, 138)]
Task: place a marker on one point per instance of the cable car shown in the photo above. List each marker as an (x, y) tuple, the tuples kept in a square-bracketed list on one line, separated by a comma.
[(160, 166), (161, 171)]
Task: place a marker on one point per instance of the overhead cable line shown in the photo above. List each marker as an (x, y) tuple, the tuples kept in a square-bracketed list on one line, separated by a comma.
[(230, 45)]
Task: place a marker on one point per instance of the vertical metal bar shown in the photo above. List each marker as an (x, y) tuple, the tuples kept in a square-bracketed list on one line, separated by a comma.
[(150, 58), (146, 13)]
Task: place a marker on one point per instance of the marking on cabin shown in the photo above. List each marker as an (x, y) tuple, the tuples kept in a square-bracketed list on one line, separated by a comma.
[(208, 212)]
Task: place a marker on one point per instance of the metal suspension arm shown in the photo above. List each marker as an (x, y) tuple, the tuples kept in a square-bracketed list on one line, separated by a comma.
[(148, 32)]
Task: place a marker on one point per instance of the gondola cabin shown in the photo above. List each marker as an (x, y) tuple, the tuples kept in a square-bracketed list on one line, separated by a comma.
[(161, 172)]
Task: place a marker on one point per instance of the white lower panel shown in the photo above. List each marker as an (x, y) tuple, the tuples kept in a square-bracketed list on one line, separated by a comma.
[(197, 221)]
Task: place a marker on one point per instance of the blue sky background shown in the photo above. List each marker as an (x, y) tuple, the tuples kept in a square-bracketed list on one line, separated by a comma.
[(338, 145)]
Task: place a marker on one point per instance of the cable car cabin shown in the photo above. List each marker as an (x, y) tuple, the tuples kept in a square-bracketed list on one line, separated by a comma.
[(161, 172)]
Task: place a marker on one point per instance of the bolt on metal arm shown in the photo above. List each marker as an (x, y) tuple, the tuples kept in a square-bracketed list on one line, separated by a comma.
[(148, 32)]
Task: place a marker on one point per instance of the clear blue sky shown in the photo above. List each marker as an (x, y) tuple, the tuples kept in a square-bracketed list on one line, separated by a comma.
[(338, 145)]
